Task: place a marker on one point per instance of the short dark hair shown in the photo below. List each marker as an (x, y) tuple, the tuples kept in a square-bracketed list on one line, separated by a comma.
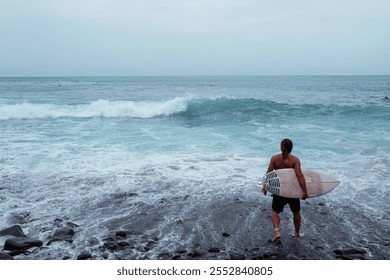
[(286, 146)]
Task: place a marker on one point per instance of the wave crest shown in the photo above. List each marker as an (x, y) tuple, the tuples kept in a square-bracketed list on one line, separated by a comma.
[(100, 108)]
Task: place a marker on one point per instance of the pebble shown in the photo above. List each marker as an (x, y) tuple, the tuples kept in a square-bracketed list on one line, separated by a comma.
[(214, 250), (291, 256), (237, 256), (195, 254), (121, 234), (84, 256)]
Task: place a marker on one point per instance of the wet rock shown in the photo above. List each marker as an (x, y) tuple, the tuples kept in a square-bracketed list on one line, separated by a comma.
[(15, 231), (63, 232), (277, 242), (151, 243), (4, 257), (257, 257), (72, 225), (177, 257), (124, 195), (121, 233), (109, 238), (58, 221), (155, 238), (67, 239), (357, 256), (291, 256), (237, 256), (164, 256), (225, 234), (21, 243), (146, 248), (214, 250), (125, 244), (195, 254), (93, 241), (84, 256), (181, 251), (269, 256), (344, 257), (105, 256), (349, 251), (111, 245)]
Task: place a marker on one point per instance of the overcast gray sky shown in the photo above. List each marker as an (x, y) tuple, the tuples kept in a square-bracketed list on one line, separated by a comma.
[(189, 37)]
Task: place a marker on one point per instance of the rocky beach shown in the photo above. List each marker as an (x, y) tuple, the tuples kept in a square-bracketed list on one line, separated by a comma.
[(229, 227)]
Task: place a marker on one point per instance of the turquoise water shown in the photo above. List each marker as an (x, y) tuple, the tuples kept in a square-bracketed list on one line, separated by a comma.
[(67, 143)]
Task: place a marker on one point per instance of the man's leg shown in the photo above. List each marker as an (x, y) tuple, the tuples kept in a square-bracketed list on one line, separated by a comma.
[(295, 206), (278, 204), (276, 223), (297, 224)]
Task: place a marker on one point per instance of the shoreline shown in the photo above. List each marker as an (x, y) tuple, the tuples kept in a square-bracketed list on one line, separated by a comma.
[(234, 227)]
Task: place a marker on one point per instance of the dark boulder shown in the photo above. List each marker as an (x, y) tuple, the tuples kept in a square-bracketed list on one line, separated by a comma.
[(350, 251), (21, 243), (63, 232), (13, 231)]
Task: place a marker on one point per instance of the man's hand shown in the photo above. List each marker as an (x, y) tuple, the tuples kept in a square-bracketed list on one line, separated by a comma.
[(264, 190), (304, 195)]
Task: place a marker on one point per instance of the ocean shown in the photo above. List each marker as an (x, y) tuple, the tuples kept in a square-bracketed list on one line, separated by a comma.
[(173, 165)]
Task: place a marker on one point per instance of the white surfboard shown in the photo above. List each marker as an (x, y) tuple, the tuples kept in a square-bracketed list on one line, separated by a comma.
[(284, 182)]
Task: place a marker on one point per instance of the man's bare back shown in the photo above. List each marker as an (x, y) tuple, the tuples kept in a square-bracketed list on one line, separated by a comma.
[(278, 162), (281, 162)]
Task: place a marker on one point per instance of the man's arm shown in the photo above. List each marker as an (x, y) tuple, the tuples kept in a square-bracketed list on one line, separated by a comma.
[(301, 179), (270, 168)]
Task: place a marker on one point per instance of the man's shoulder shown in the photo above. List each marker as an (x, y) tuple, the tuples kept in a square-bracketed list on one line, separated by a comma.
[(294, 158), (276, 156)]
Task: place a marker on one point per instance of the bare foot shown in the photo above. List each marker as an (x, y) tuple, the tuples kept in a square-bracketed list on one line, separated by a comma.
[(297, 235), (277, 236)]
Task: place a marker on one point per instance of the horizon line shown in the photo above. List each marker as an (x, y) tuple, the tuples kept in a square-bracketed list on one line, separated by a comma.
[(196, 75)]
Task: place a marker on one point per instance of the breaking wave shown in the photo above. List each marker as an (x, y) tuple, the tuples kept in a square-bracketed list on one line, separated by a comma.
[(100, 108)]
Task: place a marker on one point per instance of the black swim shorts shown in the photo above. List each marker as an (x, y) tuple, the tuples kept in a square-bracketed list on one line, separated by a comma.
[(279, 202)]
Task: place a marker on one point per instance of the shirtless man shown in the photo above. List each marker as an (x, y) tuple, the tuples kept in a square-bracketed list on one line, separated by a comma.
[(280, 161)]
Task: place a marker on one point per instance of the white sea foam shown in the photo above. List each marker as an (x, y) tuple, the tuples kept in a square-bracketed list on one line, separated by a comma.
[(100, 108)]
